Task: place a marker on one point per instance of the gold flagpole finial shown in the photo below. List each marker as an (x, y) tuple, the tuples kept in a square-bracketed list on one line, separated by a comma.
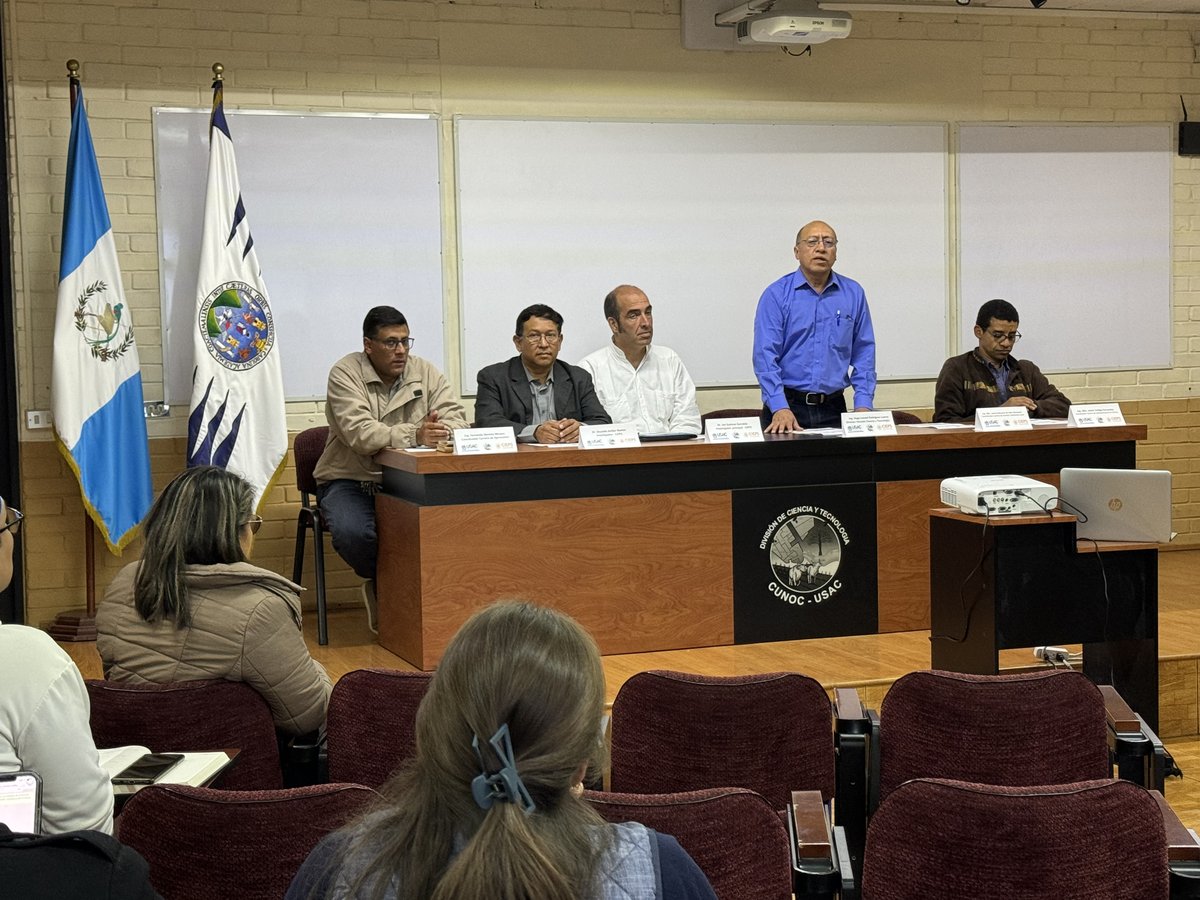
[(72, 68), (218, 69)]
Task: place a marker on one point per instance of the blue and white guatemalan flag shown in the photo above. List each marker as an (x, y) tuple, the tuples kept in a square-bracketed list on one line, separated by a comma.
[(96, 388), (238, 419)]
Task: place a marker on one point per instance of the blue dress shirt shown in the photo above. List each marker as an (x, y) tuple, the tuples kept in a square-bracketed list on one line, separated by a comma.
[(811, 342)]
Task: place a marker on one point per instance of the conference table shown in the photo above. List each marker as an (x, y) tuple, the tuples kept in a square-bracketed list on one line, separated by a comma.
[(681, 544)]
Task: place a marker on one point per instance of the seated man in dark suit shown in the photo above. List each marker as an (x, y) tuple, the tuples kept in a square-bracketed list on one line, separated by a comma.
[(990, 375), (543, 398)]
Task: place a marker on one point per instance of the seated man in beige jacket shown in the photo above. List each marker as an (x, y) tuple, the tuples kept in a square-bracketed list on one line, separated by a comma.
[(381, 397)]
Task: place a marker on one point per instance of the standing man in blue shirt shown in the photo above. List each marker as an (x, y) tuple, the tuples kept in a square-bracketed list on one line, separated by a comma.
[(813, 339)]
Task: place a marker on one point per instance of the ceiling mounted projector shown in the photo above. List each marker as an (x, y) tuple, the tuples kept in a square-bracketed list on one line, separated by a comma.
[(794, 23)]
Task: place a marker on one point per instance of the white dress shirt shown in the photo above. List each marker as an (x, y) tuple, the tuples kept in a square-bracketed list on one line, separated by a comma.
[(44, 728), (659, 395)]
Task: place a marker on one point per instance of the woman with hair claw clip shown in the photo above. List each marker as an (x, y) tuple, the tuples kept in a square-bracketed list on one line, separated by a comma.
[(491, 805)]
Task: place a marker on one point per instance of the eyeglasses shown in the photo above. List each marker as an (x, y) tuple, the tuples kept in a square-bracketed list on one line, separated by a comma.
[(1001, 336), (550, 337), (255, 523), (393, 343), (818, 241), (12, 521)]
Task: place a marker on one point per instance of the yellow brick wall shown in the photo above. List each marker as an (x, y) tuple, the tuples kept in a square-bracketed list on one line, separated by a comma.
[(54, 534), (575, 58)]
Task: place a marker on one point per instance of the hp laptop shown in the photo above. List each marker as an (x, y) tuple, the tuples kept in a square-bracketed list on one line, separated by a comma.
[(1119, 504)]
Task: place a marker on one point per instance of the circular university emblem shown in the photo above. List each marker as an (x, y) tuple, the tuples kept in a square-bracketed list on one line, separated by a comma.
[(804, 549), (805, 554), (235, 321)]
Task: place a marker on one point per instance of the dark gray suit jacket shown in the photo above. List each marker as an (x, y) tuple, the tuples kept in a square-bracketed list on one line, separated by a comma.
[(505, 398)]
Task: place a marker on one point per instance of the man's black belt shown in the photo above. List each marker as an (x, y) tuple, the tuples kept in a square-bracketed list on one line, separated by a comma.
[(810, 398)]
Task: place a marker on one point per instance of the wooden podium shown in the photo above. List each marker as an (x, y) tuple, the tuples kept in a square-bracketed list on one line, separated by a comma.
[(1010, 582)]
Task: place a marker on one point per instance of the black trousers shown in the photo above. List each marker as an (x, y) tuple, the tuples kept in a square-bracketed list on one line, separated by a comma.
[(826, 414)]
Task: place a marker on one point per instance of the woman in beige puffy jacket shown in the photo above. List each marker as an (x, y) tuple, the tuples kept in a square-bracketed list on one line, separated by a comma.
[(194, 608)]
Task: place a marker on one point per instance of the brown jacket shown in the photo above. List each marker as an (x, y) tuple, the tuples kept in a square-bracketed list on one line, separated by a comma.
[(364, 419), (245, 627), (966, 383)]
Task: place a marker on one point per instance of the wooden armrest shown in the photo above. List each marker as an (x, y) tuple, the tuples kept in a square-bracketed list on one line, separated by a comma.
[(1121, 718), (813, 840), (847, 705), (1181, 843)]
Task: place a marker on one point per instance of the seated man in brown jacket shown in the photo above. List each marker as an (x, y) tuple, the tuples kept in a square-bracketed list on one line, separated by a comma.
[(990, 376)]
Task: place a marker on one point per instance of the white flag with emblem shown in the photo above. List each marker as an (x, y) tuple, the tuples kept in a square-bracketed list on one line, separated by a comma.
[(238, 419)]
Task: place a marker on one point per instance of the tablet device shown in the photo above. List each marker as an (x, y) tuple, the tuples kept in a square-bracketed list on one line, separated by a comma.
[(21, 802), (147, 769)]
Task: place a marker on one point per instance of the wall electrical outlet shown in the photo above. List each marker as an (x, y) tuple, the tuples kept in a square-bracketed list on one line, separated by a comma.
[(37, 418)]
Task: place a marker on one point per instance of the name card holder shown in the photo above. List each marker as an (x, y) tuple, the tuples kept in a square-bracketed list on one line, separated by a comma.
[(1003, 418), (1086, 415), (477, 441), (604, 437), (733, 431), (863, 424)]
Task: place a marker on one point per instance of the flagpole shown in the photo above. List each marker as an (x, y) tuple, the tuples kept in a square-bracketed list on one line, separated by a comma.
[(73, 75), (80, 624)]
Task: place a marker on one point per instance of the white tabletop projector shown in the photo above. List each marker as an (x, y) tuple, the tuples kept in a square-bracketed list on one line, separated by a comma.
[(999, 495)]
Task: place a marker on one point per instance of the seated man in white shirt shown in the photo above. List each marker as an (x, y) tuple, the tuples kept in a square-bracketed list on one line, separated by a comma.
[(636, 381), (44, 724)]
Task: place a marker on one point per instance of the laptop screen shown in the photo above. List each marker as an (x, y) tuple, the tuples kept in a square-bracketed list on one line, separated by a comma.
[(1118, 504)]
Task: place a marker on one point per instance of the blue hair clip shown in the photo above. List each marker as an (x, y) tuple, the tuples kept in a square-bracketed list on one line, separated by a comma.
[(506, 785)]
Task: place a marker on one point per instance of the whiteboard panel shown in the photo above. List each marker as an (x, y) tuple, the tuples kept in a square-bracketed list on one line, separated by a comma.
[(1072, 225), (346, 215), (702, 217)]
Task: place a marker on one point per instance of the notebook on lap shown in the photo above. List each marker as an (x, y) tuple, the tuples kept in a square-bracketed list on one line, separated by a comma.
[(1119, 504)]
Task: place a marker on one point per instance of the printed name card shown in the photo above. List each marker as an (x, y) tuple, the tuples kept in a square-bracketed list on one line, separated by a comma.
[(1083, 415), (1003, 418), (733, 431), (602, 437), (862, 424), (469, 441)]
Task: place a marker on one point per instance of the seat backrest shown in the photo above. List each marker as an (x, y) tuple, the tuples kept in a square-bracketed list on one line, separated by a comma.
[(370, 725), (941, 838), (308, 446), (903, 417), (203, 844), (772, 734), (733, 834), (191, 716), (1032, 728), (732, 413)]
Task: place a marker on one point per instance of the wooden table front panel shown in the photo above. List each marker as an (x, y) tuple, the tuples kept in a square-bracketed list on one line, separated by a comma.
[(902, 536), (639, 572)]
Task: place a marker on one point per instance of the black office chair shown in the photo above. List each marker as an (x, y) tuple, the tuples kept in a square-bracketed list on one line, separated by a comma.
[(308, 447)]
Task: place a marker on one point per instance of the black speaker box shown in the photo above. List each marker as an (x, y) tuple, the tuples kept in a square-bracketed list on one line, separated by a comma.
[(1189, 138)]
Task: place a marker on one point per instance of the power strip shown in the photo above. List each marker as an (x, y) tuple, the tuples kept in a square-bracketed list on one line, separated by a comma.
[(1052, 654)]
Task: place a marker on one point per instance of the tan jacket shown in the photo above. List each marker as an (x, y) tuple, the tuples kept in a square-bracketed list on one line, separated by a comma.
[(245, 627), (363, 419)]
